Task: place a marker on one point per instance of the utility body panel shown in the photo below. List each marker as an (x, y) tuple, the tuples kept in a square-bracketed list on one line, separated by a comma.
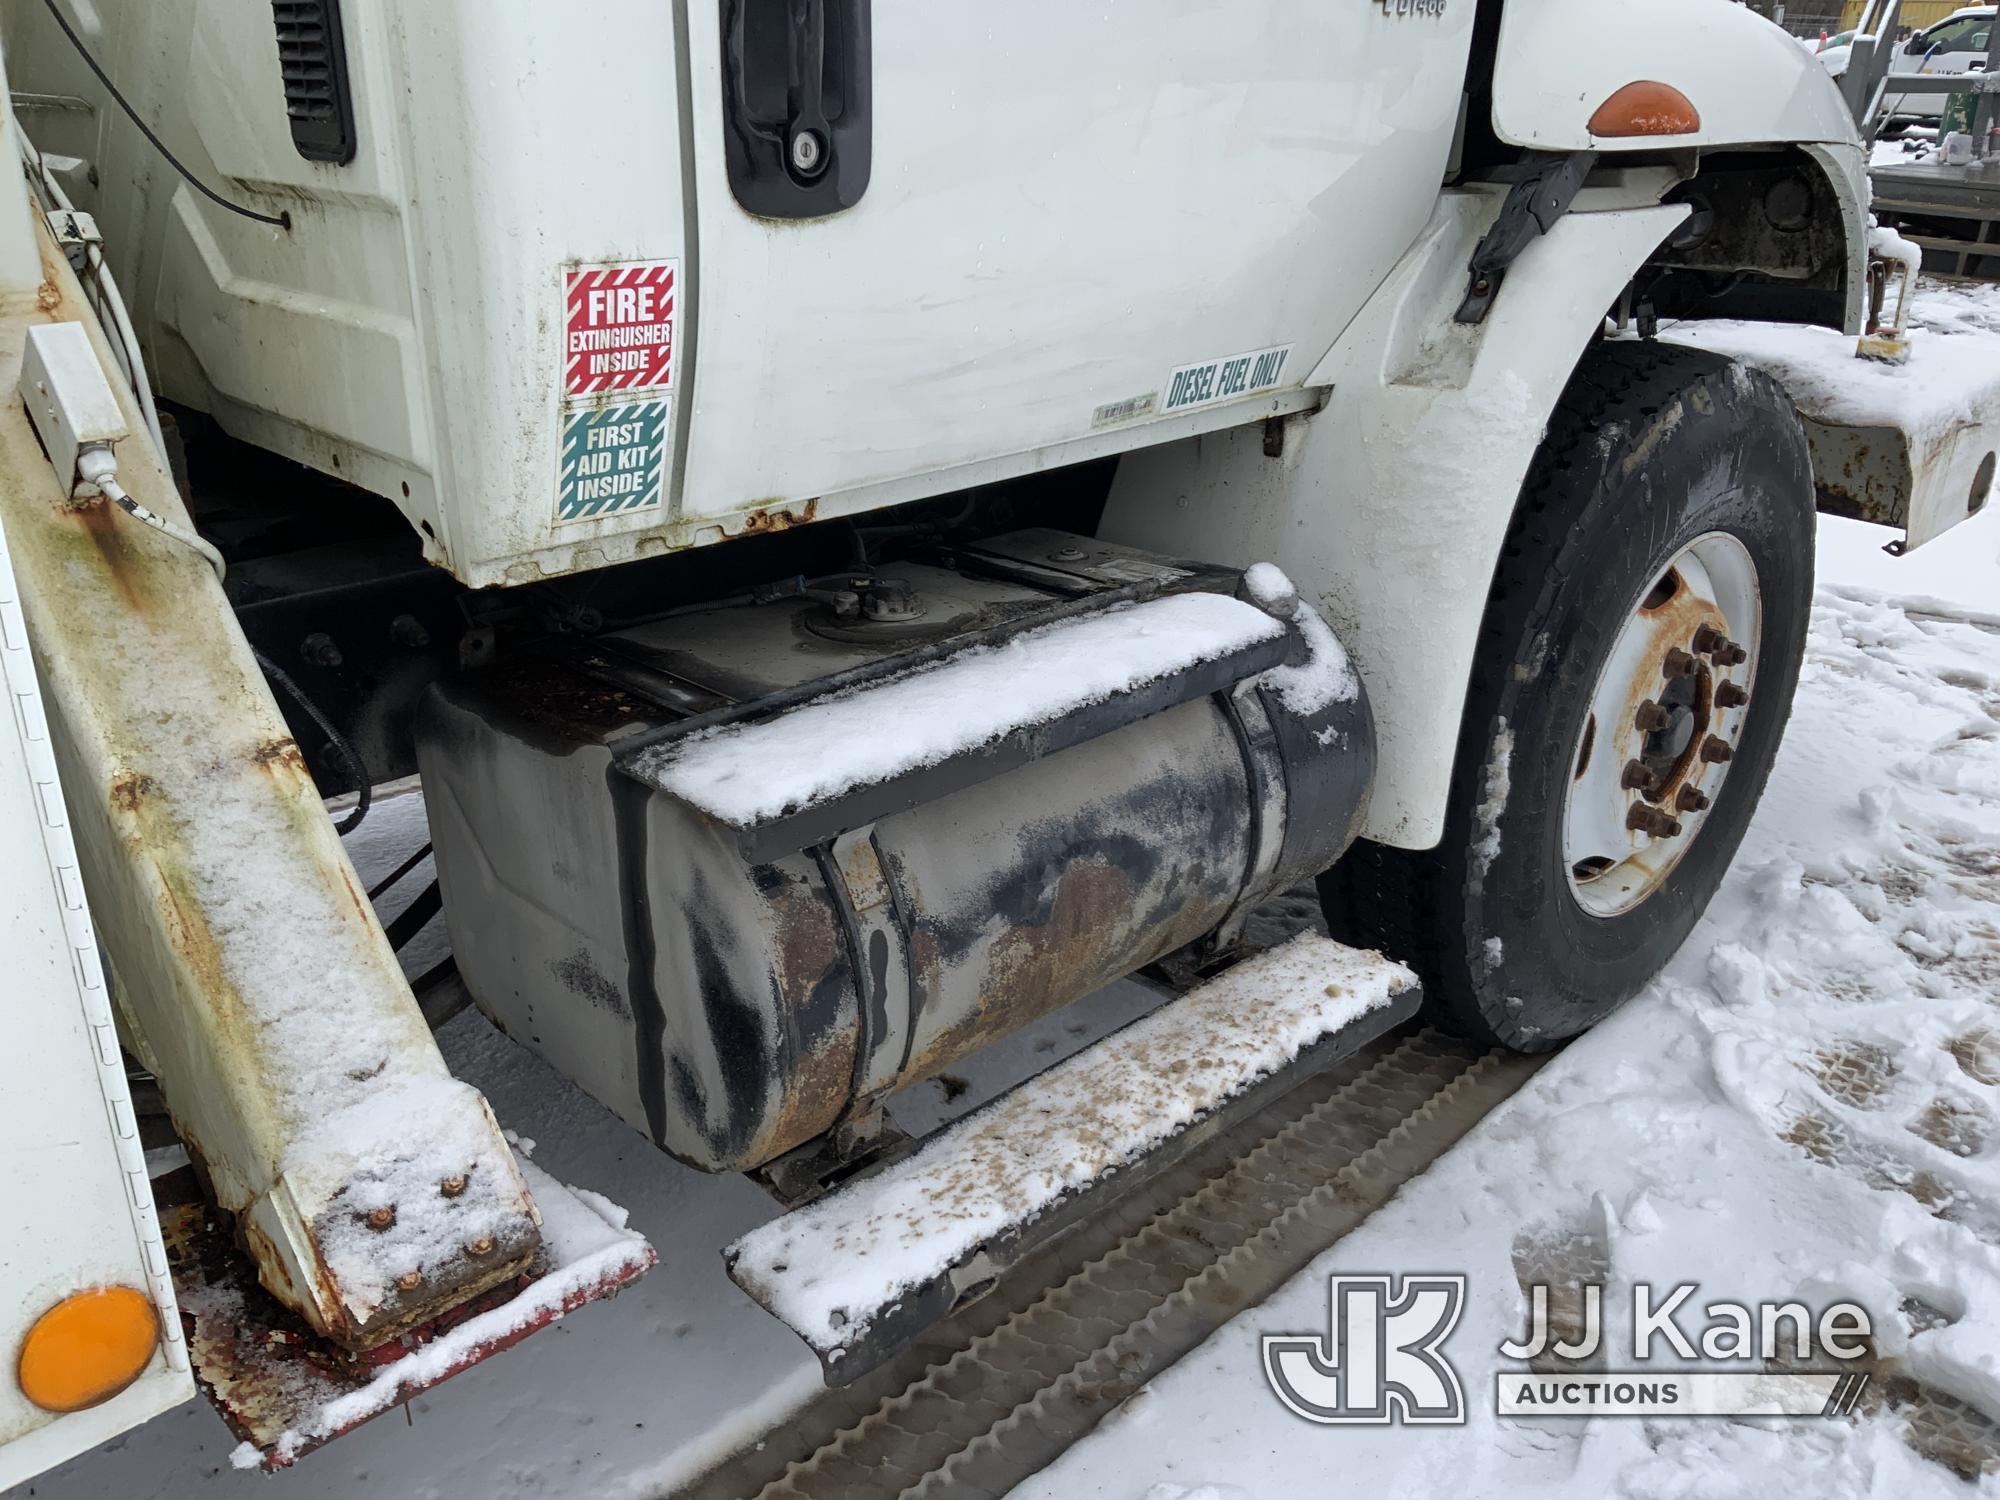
[(79, 1211)]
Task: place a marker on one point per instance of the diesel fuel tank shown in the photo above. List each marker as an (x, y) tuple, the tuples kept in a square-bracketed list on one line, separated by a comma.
[(747, 870)]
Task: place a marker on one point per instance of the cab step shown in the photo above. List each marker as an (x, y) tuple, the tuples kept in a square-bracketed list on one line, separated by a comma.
[(859, 1273)]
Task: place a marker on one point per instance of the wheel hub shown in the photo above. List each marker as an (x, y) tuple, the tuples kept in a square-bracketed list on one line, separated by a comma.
[(1665, 716)]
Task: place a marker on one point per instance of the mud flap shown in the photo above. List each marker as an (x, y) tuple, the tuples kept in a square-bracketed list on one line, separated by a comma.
[(860, 1273)]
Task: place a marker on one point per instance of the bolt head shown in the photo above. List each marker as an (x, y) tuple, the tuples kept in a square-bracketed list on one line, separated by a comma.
[(481, 1246), (1651, 821), (453, 1185), (382, 1218), (1650, 717), (1678, 664), (1692, 799), (1707, 639), (1637, 777), (409, 1281), (1730, 695), (1715, 751)]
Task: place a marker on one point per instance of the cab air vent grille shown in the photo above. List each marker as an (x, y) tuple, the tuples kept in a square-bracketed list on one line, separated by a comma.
[(312, 59)]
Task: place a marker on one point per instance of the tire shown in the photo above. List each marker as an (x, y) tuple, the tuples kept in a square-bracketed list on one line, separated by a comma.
[(1652, 450)]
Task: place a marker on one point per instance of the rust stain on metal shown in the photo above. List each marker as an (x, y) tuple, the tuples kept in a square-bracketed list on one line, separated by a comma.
[(100, 525), (1671, 625), (1093, 934), (129, 789), (279, 751), (816, 1095), (775, 518)]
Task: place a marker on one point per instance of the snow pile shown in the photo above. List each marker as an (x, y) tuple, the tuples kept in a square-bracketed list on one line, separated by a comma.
[(1806, 1105), (1891, 246), (746, 774), (833, 1267)]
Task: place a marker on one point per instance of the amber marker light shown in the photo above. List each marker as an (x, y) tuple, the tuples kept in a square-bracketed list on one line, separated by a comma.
[(88, 1348), (1646, 108)]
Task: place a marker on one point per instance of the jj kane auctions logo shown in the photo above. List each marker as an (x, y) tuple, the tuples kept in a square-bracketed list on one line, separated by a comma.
[(1382, 1357)]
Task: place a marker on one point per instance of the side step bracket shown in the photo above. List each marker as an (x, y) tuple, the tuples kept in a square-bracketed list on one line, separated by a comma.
[(861, 1272)]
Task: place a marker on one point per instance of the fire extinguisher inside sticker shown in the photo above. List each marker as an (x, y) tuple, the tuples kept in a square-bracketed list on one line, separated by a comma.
[(613, 461), (618, 327)]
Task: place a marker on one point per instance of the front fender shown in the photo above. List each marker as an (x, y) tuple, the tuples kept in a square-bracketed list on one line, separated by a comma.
[(1389, 507), (1751, 83)]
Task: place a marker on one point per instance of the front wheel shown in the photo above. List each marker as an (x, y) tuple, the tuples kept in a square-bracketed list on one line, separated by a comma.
[(1636, 664)]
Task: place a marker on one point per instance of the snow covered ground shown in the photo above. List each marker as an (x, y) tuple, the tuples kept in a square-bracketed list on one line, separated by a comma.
[(1806, 1104)]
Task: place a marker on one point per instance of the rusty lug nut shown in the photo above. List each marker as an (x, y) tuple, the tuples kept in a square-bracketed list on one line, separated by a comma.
[(1714, 750), (382, 1218), (453, 1185), (1637, 777), (1707, 639), (1650, 717), (1729, 695), (409, 1281), (481, 1246), (1678, 664), (1650, 820), (1729, 654), (1692, 799)]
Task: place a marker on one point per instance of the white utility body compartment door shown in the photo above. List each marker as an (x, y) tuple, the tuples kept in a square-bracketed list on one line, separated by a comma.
[(1066, 204), (79, 1220)]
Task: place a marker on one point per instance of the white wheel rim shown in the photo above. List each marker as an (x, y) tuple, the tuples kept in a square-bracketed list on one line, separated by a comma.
[(1624, 833)]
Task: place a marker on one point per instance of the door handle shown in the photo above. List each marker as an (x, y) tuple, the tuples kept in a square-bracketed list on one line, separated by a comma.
[(797, 104)]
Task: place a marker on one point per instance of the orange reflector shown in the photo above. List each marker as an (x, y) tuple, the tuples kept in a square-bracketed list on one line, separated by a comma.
[(88, 1348), (1646, 108)]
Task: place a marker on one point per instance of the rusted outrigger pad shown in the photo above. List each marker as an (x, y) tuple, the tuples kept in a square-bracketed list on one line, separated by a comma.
[(858, 1274), (373, 1191), (285, 1391)]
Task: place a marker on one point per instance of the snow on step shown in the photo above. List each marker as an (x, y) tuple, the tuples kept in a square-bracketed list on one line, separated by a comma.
[(831, 1269), (745, 774)]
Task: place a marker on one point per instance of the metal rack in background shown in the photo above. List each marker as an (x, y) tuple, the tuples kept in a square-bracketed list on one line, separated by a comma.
[(1952, 211)]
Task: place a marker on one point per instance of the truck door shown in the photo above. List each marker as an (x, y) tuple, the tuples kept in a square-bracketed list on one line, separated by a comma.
[(1013, 224)]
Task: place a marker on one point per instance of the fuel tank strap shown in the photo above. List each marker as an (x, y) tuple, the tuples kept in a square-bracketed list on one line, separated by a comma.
[(878, 941)]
